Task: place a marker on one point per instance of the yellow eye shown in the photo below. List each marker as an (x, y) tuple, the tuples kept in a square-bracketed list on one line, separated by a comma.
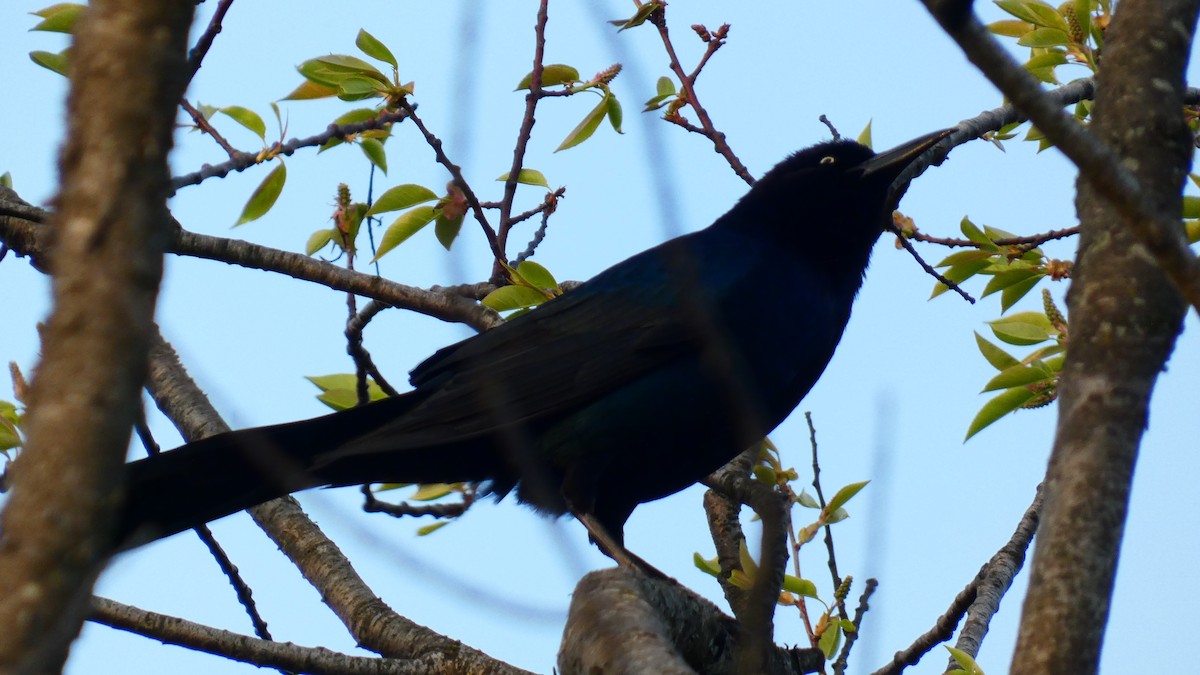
[(828, 159)]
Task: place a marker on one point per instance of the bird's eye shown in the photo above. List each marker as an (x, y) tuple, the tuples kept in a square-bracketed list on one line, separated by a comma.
[(828, 159)]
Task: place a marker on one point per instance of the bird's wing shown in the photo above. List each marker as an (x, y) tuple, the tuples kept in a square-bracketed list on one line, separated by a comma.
[(563, 355)]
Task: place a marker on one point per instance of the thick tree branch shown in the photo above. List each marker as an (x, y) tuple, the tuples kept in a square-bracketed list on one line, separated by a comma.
[(1125, 317), (262, 653), (757, 618), (1156, 226), (979, 600), (26, 237), (371, 622), (622, 621), (128, 71)]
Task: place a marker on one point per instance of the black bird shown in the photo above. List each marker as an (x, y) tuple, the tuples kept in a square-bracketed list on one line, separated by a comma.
[(629, 388)]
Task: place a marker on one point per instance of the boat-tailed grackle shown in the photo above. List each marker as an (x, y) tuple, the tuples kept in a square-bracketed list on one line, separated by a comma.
[(629, 388)]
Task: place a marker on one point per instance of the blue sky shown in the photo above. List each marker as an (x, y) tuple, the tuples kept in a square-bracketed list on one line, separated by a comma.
[(892, 407)]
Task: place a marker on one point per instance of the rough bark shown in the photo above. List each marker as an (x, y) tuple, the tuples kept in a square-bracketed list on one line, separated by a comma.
[(127, 74), (1124, 319)]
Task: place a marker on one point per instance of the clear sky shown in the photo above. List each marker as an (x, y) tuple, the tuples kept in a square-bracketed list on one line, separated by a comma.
[(892, 407)]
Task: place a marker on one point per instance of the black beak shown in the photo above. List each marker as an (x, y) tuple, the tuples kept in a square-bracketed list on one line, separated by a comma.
[(891, 163)]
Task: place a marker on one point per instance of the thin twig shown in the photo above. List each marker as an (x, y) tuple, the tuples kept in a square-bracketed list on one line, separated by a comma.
[(205, 126), (1157, 230), (816, 483), (839, 666), (688, 84), (1031, 241), (197, 53), (547, 209), (245, 161), (995, 574), (362, 358), (457, 176), (405, 509), (241, 589), (926, 266), (523, 135)]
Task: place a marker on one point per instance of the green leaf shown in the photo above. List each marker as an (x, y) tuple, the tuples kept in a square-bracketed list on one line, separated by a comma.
[(408, 224), (330, 382), (1010, 28), (59, 18), (802, 587), (805, 499), (1007, 278), (447, 229), (1018, 376), (6, 179), (1010, 295), (614, 113), (864, 136), (1192, 227), (845, 494), (401, 197), (830, 640), (665, 89), (1034, 11), (340, 391), (1041, 353), (51, 61), (264, 195), (309, 90), (374, 48), (976, 235), (506, 298), (1048, 59), (536, 276), (427, 492), (968, 255), (1191, 206), (331, 70), (836, 516), (643, 13), (339, 399), (996, 408), (528, 177), (247, 118), (711, 567), (320, 239), (586, 127), (552, 74), (350, 64), (425, 530), (359, 88), (373, 149), (1045, 37), (1023, 328), (354, 117), (996, 356), (964, 660), (749, 567), (1042, 66), (1083, 15)]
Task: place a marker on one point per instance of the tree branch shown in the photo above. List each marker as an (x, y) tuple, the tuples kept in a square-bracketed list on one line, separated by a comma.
[(1156, 227), (128, 72), (285, 656)]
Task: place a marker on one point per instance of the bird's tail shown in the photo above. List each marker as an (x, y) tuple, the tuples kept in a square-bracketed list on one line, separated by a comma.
[(229, 472)]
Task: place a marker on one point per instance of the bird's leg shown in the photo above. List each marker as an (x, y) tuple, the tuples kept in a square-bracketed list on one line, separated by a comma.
[(616, 550)]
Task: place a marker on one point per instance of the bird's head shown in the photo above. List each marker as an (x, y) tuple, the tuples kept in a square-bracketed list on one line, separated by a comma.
[(837, 193)]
